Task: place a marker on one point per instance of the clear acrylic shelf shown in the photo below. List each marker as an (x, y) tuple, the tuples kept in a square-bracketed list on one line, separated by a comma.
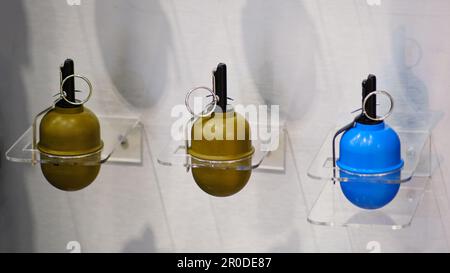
[(122, 140), (175, 154), (332, 208), (412, 145), (414, 132)]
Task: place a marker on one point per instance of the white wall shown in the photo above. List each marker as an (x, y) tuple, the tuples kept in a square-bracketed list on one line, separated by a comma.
[(143, 55)]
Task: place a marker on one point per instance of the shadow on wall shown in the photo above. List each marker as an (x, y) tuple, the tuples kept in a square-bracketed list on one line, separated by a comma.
[(408, 54), (281, 48), (144, 243), (135, 39), (16, 222)]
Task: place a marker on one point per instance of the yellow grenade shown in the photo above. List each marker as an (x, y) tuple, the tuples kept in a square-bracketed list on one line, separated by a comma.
[(71, 132), (221, 147)]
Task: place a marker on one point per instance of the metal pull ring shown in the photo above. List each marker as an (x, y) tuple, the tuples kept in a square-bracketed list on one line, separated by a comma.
[(378, 92), (205, 111), (63, 94)]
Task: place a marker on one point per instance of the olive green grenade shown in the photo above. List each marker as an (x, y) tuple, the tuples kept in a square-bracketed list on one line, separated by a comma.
[(70, 131), (221, 149)]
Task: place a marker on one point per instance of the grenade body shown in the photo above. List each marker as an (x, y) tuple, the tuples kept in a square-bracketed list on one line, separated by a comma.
[(370, 150), (70, 132), (225, 139)]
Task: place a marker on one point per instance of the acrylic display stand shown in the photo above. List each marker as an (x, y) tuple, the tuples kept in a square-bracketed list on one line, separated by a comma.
[(269, 204), (122, 140), (333, 209), (175, 154)]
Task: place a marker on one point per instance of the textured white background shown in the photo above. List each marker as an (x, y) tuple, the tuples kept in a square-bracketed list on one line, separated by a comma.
[(142, 55)]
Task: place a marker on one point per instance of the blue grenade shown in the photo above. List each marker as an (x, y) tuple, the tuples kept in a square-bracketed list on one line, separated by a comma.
[(369, 156)]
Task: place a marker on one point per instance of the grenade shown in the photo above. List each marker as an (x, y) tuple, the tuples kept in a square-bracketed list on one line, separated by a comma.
[(71, 131), (221, 147), (370, 148)]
